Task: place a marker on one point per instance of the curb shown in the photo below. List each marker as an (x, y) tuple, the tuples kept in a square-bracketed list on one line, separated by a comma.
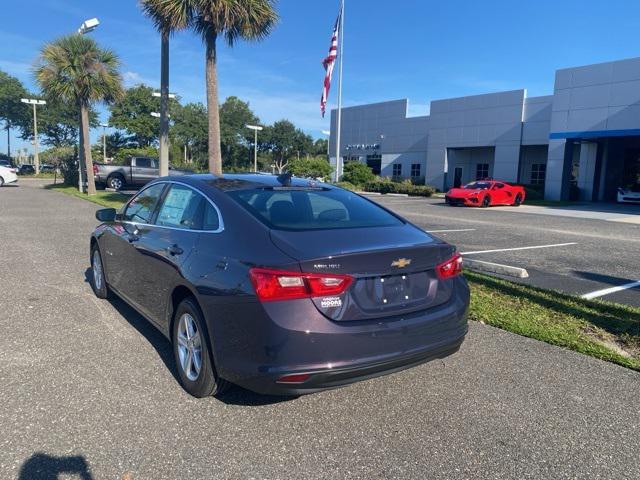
[(488, 267)]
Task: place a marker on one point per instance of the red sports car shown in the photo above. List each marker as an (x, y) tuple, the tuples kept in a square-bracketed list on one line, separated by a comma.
[(485, 193)]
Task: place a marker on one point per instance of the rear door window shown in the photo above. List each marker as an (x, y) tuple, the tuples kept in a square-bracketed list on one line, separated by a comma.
[(179, 208), (142, 207)]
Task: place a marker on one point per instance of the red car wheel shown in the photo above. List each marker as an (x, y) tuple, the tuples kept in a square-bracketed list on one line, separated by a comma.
[(518, 201), (486, 201)]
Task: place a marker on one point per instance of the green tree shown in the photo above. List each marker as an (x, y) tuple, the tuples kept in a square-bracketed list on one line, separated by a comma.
[(317, 167), (75, 69), (357, 173), (58, 123), (190, 130), (284, 141), (232, 20), (235, 138), (320, 147), (13, 113), (132, 114)]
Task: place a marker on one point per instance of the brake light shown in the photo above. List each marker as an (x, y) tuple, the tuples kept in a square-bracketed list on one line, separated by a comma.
[(95, 169), (451, 268), (273, 285)]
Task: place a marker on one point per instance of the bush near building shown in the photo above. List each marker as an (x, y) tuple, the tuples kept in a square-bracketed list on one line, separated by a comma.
[(357, 173), (310, 167), (384, 185)]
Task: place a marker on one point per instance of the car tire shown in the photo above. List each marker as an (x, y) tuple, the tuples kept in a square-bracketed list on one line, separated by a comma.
[(194, 361), (518, 201), (486, 201), (1, 182), (116, 182), (98, 279)]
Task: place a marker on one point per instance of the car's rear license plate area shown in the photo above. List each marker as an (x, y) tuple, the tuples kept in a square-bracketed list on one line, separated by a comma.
[(393, 291)]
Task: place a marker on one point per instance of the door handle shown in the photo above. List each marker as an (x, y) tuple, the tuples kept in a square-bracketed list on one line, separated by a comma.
[(174, 250)]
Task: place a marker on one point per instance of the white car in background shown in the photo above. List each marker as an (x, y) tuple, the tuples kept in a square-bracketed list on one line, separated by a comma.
[(629, 194), (7, 175)]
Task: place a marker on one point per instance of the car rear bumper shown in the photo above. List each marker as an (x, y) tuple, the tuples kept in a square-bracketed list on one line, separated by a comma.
[(340, 353)]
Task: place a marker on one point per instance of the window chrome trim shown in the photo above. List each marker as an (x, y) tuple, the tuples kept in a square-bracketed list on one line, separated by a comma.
[(220, 228)]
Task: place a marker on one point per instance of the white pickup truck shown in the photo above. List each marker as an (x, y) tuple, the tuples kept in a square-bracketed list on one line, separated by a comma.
[(135, 172)]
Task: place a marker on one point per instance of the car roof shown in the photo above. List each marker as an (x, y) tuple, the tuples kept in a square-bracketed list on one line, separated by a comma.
[(247, 181)]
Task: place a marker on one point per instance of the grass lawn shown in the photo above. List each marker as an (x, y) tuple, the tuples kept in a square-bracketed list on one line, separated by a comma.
[(603, 330), (106, 199)]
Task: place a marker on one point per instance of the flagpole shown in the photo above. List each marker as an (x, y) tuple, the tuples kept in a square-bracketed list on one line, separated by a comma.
[(339, 113)]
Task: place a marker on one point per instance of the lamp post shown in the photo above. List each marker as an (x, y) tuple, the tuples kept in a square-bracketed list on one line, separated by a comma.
[(256, 129), (104, 141), (35, 103), (86, 27)]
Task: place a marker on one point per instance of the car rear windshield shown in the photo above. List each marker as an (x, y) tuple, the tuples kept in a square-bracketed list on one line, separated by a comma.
[(312, 209)]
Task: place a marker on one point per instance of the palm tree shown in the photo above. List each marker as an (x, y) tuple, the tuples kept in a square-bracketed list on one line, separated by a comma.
[(233, 20), (75, 69), (168, 16)]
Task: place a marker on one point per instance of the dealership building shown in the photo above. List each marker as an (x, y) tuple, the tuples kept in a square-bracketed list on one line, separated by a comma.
[(582, 142)]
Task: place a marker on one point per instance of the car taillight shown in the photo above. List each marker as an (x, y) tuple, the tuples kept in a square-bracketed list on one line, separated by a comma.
[(95, 169), (273, 285), (450, 268)]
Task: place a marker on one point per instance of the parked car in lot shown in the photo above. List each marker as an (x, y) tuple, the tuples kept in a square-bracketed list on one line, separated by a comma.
[(26, 169), (7, 175), (280, 285), (47, 168), (5, 163), (486, 193), (629, 194), (135, 172)]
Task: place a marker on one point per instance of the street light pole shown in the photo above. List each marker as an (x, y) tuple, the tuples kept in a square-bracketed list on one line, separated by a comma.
[(104, 141), (87, 26), (35, 102), (256, 129)]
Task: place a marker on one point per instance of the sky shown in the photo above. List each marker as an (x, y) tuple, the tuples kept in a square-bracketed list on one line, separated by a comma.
[(422, 50)]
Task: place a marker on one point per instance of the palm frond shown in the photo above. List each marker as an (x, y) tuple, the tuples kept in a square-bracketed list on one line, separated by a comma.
[(169, 16)]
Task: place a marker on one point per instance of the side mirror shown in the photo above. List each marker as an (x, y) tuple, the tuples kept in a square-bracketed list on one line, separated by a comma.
[(106, 215)]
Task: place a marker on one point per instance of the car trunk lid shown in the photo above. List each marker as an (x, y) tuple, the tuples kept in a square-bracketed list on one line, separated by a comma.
[(393, 268)]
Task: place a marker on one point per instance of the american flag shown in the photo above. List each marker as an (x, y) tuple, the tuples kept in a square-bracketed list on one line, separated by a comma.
[(328, 64)]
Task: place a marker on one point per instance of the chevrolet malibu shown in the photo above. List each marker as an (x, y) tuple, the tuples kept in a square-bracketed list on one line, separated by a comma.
[(279, 285)]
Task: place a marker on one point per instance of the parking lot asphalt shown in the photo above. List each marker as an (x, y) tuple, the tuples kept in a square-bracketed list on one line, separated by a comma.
[(89, 388), (586, 248)]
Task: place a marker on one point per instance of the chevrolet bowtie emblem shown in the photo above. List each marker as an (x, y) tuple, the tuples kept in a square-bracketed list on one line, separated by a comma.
[(401, 262)]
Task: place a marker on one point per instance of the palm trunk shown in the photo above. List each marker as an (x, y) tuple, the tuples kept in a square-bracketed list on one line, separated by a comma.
[(215, 156), (9, 141), (164, 106), (86, 148)]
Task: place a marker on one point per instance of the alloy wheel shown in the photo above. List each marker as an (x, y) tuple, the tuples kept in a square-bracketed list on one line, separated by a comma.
[(97, 270), (189, 347)]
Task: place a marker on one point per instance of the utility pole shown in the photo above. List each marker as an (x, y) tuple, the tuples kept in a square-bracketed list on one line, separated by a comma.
[(35, 103), (163, 115), (256, 129)]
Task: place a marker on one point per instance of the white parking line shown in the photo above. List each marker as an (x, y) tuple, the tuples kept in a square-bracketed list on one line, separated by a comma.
[(518, 248), (447, 231), (607, 291)]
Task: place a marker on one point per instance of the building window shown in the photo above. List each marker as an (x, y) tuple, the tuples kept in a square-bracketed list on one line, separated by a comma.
[(482, 171), (415, 170), (538, 173), (397, 169), (350, 158), (374, 162)]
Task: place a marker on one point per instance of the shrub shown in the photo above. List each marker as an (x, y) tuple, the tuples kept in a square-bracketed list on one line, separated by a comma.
[(406, 187), (310, 167), (357, 173)]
